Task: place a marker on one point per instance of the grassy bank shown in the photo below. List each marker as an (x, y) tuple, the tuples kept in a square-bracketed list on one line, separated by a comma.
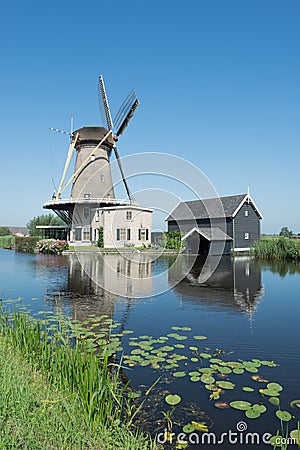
[(7, 241), (57, 393), (277, 249)]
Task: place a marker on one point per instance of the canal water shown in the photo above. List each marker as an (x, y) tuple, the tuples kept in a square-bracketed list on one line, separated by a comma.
[(246, 310)]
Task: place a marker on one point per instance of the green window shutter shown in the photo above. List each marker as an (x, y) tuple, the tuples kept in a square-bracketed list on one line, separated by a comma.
[(128, 234), (147, 234), (118, 234), (139, 234)]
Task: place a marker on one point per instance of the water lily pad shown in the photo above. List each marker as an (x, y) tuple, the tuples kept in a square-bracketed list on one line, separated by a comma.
[(274, 401), (186, 328), (194, 360), (247, 389), (238, 371), (275, 386), (195, 379), (179, 345), (276, 441), (205, 355), (240, 404), (173, 399), (206, 379), (188, 428), (269, 392), (295, 403), (179, 374), (194, 374), (180, 337), (200, 338), (259, 408), (224, 370), (176, 328), (210, 387), (295, 434), (285, 416), (194, 348), (252, 413), (225, 384)]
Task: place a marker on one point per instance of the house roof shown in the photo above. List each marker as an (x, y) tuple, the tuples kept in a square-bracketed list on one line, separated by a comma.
[(211, 234), (211, 208)]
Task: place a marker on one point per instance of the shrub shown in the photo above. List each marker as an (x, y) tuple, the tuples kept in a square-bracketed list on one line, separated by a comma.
[(100, 242), (173, 240), (52, 246), (25, 244)]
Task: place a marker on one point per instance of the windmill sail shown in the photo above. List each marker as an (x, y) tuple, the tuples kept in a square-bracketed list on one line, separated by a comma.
[(125, 112), (103, 105)]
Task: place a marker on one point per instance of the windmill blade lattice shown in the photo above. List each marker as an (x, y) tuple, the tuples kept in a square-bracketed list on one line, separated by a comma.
[(103, 105), (125, 112)]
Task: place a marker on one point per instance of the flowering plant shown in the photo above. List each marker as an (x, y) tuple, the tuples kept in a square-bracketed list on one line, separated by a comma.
[(52, 246)]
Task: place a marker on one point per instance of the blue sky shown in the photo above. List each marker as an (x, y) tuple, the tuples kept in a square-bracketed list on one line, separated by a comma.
[(218, 82)]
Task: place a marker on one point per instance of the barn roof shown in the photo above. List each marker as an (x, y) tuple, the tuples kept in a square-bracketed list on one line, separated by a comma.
[(211, 208), (211, 234)]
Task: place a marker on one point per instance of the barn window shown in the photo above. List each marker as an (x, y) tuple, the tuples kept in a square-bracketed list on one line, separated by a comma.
[(93, 157), (247, 235), (246, 213), (128, 215), (101, 178)]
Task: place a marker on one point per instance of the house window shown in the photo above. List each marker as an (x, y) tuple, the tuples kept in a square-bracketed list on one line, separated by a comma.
[(77, 234), (97, 216), (128, 215), (86, 233), (86, 213), (246, 213), (121, 234), (143, 234), (247, 235), (101, 178), (93, 157)]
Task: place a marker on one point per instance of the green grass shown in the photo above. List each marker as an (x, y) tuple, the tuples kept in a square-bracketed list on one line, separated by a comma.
[(59, 394), (277, 249), (7, 241)]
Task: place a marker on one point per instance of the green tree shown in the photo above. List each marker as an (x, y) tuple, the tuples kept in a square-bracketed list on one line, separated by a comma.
[(285, 232), (5, 231), (44, 219)]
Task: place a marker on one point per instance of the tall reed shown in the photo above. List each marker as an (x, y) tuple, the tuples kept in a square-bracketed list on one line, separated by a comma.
[(69, 361), (277, 249)]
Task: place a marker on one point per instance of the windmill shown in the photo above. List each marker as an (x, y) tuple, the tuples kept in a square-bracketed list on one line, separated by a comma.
[(92, 179), (121, 121)]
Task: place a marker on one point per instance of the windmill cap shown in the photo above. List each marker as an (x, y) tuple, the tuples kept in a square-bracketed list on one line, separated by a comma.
[(94, 134)]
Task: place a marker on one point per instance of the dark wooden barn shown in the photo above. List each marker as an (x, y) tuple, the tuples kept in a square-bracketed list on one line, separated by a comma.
[(218, 225)]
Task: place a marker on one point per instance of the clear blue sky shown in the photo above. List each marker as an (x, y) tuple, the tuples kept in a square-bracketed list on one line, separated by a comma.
[(218, 81)]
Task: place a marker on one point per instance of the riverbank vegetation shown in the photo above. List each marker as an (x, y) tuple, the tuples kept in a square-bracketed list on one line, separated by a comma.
[(7, 241), (281, 248), (57, 392)]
